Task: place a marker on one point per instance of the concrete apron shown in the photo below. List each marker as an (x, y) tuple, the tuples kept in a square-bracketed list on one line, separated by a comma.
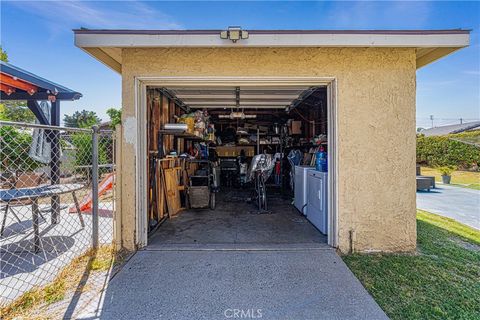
[(229, 264), (237, 281)]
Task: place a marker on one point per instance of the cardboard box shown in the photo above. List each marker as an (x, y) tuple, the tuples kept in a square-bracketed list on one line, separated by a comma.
[(224, 151), (249, 150), (296, 127), (234, 151)]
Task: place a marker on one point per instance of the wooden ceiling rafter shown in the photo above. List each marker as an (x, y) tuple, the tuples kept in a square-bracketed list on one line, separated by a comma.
[(14, 82), (7, 89)]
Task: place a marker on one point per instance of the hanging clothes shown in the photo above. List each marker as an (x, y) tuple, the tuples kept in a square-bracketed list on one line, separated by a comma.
[(40, 147)]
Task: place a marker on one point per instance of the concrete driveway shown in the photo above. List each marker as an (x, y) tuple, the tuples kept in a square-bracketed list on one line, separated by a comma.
[(461, 204), (235, 283)]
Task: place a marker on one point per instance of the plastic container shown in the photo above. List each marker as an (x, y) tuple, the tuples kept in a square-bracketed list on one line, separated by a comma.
[(321, 160)]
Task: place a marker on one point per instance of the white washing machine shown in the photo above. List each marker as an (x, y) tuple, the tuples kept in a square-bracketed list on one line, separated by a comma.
[(300, 188), (317, 184)]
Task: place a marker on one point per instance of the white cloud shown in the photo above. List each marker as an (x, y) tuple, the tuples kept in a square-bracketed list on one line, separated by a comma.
[(387, 14), (61, 16), (472, 72)]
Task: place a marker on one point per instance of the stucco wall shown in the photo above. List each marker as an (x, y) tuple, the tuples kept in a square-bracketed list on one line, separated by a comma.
[(376, 127)]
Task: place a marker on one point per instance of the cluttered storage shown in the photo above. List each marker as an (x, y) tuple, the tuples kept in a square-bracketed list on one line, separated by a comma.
[(237, 164)]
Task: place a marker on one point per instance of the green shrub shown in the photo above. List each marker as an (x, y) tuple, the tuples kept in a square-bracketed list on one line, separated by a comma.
[(14, 148), (446, 170), (444, 151), (84, 150)]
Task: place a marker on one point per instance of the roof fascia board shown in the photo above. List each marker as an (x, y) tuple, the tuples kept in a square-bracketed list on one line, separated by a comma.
[(96, 40), (276, 31), (40, 96)]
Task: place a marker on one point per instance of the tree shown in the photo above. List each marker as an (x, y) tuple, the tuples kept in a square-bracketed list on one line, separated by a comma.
[(16, 111), (115, 116), (81, 119), (3, 55), (2, 112)]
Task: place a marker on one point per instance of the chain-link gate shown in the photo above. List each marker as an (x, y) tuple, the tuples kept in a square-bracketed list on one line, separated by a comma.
[(56, 201)]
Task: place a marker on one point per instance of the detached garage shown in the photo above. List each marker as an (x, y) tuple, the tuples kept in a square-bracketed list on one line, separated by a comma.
[(273, 137)]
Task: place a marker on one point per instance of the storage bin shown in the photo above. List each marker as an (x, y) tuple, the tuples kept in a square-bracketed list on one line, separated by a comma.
[(199, 197), (190, 122)]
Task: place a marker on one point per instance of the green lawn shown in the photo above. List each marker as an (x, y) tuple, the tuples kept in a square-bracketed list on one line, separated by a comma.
[(467, 179), (440, 281)]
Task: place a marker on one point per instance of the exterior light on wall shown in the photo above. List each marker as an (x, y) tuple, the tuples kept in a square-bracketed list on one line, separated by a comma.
[(234, 34)]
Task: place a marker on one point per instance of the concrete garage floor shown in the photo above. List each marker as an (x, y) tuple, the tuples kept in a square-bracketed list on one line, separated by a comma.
[(232, 223), (231, 264)]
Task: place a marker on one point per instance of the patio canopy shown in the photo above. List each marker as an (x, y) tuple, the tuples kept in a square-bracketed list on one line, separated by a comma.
[(18, 84)]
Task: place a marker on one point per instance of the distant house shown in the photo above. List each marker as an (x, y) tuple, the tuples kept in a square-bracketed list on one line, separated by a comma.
[(450, 129), (105, 125)]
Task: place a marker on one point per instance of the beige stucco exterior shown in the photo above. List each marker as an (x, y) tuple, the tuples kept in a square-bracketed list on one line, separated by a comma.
[(375, 117)]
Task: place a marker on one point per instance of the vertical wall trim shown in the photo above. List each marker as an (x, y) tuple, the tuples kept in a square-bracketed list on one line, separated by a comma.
[(332, 164), (141, 165)]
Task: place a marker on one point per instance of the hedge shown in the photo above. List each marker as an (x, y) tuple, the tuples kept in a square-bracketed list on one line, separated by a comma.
[(444, 151)]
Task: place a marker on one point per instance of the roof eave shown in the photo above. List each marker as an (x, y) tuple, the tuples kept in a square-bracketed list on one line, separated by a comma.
[(51, 88), (431, 44)]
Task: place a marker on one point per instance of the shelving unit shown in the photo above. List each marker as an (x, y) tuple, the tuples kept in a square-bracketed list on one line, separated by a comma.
[(180, 134)]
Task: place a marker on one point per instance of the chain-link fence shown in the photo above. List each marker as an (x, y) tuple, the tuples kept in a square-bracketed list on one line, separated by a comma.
[(56, 201)]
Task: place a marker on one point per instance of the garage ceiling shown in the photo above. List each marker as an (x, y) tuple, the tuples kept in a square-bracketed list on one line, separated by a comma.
[(249, 98)]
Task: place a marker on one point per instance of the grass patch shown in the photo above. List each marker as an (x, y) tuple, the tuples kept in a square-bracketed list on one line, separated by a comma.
[(66, 281), (475, 186), (448, 224), (467, 179), (441, 281)]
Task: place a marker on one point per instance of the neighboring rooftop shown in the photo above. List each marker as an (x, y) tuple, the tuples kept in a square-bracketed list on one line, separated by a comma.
[(107, 45), (450, 129)]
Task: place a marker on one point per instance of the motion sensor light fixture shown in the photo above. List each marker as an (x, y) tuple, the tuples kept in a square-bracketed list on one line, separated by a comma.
[(234, 33)]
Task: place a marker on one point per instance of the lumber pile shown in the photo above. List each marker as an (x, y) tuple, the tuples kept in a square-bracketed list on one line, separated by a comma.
[(173, 181)]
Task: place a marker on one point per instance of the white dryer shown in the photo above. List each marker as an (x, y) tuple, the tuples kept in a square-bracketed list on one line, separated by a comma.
[(300, 188), (317, 184)]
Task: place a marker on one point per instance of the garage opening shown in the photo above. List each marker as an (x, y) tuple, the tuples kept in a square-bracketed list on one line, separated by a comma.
[(237, 165)]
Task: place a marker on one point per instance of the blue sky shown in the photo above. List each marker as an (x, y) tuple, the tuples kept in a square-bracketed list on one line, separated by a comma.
[(38, 37)]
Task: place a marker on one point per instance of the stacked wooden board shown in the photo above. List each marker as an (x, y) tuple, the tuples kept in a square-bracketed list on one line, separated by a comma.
[(173, 178)]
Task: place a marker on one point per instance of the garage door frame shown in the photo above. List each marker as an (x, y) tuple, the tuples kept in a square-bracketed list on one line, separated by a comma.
[(141, 84)]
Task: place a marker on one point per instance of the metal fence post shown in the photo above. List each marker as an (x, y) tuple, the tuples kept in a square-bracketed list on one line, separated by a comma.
[(55, 160), (95, 187)]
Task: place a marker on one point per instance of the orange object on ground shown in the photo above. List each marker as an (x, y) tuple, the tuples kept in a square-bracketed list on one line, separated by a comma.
[(105, 185)]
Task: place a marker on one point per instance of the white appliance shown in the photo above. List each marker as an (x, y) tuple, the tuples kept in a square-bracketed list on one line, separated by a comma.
[(317, 183), (300, 188)]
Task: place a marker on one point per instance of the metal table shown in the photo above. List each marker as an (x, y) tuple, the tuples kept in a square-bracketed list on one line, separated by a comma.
[(36, 193)]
